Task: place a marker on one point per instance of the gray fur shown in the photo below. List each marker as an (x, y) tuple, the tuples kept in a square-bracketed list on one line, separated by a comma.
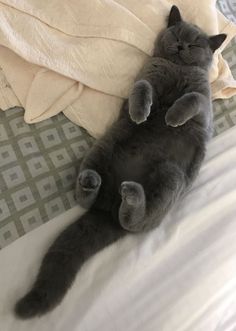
[(134, 175)]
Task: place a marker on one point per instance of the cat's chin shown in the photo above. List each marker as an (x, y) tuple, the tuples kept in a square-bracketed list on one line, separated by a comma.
[(185, 59), (181, 60), (176, 59), (171, 56)]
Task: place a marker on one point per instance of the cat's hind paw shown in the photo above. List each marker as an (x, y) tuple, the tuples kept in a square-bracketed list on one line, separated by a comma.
[(132, 208), (89, 180), (132, 193), (87, 187)]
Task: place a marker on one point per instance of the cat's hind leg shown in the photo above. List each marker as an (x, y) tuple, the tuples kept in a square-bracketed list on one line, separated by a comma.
[(133, 206), (91, 174), (143, 209), (87, 187)]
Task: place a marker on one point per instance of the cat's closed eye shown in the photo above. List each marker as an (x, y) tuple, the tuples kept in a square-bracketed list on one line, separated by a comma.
[(194, 46)]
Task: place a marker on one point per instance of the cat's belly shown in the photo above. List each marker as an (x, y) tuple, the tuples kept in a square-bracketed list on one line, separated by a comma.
[(137, 157), (129, 167)]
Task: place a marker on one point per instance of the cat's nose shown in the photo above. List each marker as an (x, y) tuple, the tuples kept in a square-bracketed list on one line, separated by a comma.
[(180, 47)]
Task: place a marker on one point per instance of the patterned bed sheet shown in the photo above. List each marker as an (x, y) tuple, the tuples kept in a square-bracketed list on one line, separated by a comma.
[(39, 162), (225, 110), (38, 165)]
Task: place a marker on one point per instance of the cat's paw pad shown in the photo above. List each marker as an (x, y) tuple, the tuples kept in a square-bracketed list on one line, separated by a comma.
[(175, 118), (89, 180), (132, 193)]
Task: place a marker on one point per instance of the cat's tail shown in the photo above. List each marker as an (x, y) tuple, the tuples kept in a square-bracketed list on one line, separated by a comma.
[(77, 243)]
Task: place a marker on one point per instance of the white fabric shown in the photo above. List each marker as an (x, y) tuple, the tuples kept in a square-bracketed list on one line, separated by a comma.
[(82, 56), (180, 277)]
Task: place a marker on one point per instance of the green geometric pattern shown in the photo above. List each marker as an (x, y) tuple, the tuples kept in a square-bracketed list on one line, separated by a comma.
[(225, 110), (228, 8), (38, 165)]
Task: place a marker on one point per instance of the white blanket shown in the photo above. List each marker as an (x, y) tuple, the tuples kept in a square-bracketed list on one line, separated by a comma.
[(180, 277), (82, 56)]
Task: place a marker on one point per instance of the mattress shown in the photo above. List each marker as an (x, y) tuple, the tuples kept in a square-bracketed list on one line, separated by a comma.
[(181, 276)]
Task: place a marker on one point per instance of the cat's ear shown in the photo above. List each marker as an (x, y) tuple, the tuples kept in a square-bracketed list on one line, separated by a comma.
[(174, 16), (216, 41)]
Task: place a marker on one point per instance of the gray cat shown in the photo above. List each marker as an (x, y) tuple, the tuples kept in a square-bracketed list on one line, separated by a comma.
[(147, 160)]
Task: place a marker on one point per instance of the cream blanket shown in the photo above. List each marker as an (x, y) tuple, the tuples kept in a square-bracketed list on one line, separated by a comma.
[(81, 56)]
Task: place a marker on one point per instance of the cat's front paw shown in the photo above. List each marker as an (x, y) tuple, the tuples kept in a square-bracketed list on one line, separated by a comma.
[(140, 101), (175, 117), (139, 114)]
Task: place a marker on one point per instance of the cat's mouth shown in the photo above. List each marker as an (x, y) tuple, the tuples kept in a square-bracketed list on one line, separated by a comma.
[(182, 56), (185, 57), (179, 54)]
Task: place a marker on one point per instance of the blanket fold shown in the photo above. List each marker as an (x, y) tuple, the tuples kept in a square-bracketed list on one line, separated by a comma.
[(81, 57)]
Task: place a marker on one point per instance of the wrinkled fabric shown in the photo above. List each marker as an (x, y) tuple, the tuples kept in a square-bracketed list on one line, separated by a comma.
[(81, 57)]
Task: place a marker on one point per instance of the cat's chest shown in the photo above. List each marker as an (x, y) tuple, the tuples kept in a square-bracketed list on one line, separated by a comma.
[(171, 81), (176, 79), (173, 90), (177, 83)]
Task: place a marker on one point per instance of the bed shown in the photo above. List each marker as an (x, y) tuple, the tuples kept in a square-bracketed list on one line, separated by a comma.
[(180, 277)]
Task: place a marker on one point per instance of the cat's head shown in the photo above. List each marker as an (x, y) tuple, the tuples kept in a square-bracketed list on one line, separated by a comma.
[(186, 44)]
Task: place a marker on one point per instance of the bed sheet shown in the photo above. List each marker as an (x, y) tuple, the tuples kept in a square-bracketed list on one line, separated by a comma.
[(181, 276), (38, 169)]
